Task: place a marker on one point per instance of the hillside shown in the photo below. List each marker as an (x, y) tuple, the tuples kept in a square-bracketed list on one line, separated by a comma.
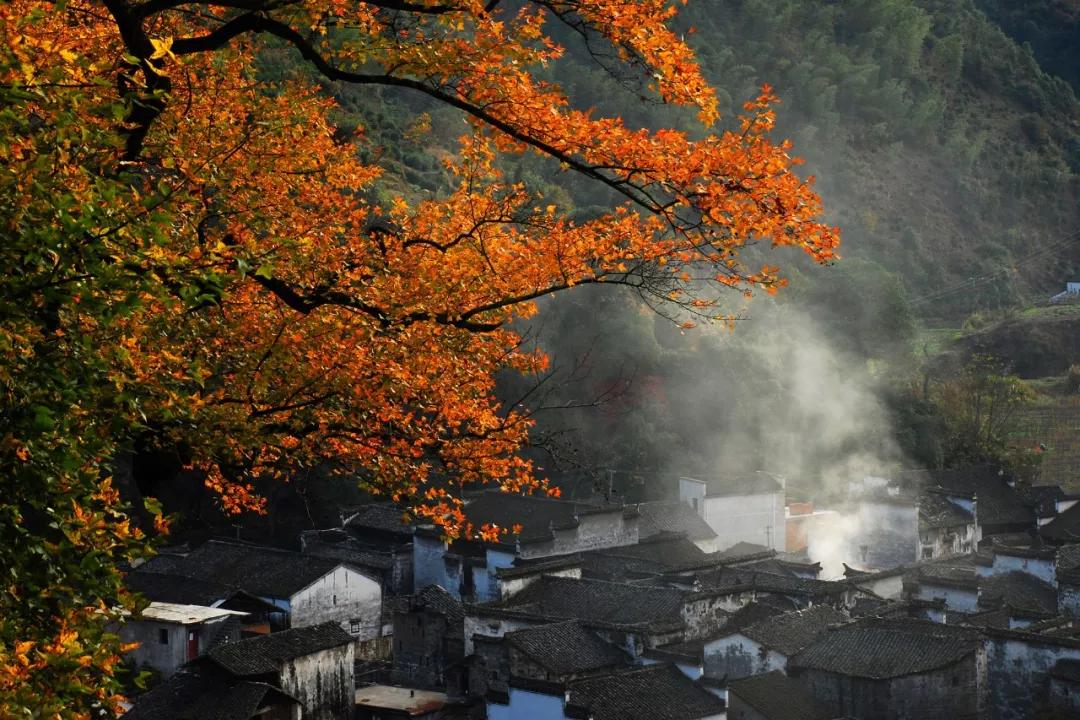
[(1050, 27), (944, 151)]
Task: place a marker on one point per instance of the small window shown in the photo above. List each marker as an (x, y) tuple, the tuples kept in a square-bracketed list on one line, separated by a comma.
[(354, 627), (163, 636), (335, 599)]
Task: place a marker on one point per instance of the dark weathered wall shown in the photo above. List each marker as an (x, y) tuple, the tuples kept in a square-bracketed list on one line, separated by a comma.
[(323, 683), (739, 710), (1018, 674), (737, 656), (424, 646), (951, 693)]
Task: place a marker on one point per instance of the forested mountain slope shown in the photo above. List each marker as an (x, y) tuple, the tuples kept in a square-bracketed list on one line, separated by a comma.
[(943, 148), (1050, 27)]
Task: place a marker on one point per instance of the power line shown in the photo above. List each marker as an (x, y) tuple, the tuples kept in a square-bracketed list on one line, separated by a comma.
[(1047, 251)]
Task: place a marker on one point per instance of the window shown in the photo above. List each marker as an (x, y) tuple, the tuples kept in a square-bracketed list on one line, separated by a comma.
[(163, 636), (335, 599), (354, 627)]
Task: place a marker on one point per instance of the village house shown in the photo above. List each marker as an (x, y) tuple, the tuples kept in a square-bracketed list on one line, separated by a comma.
[(298, 673), (631, 617), (1001, 508), (1046, 501), (802, 592), (676, 517), (305, 590), (550, 530), (1064, 528), (947, 525), (772, 696), (552, 654), (748, 508), (767, 645), (169, 635), (180, 590), (197, 693), (428, 637), (1018, 596), (1071, 292), (374, 538), (1038, 561), (891, 669), (313, 664)]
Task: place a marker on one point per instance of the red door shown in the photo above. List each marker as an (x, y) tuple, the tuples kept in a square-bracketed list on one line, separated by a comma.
[(192, 645)]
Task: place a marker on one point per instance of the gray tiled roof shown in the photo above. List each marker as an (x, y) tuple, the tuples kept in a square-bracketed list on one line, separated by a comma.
[(658, 554), (879, 648), (998, 504), (434, 599), (937, 511), (195, 694), (265, 654), (776, 697), (1065, 528), (566, 648), (381, 517), (536, 515), (653, 692), (600, 601), (677, 516), (791, 632), (165, 587), (770, 582), (763, 608), (263, 571), (1042, 498), (1019, 591)]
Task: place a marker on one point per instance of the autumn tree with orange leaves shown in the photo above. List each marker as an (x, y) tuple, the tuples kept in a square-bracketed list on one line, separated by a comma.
[(190, 252)]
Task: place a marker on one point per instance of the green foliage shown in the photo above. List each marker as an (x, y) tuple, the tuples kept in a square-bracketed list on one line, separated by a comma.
[(980, 409), (67, 400)]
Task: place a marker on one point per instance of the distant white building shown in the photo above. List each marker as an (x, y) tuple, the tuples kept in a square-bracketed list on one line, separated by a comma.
[(740, 508), (1072, 292)]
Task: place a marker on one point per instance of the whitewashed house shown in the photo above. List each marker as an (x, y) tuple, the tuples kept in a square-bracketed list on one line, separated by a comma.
[(747, 508), (307, 590)]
